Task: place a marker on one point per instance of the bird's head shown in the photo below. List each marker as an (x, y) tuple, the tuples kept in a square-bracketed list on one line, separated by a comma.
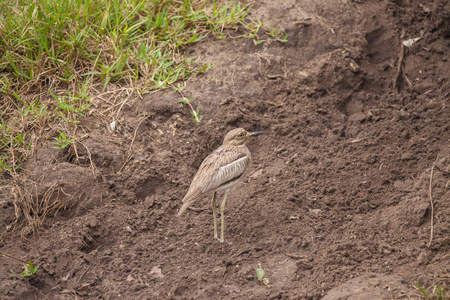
[(238, 136)]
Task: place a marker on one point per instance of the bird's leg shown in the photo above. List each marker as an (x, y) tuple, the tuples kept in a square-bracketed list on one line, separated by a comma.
[(214, 214), (222, 216)]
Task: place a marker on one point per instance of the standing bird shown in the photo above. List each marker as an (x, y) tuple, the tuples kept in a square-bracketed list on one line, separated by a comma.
[(220, 171)]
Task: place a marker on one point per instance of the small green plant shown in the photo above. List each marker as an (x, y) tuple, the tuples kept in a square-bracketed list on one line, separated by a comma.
[(62, 141), (195, 113), (273, 32), (260, 275), (253, 29), (29, 270), (437, 292), (28, 267)]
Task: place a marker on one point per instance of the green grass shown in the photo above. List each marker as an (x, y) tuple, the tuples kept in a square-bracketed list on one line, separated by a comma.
[(66, 40), (437, 291), (29, 270), (62, 141)]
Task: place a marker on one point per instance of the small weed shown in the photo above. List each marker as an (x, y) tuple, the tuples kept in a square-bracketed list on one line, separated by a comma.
[(67, 110), (253, 29), (29, 270), (260, 276), (62, 141), (437, 292), (273, 32), (195, 113), (28, 267)]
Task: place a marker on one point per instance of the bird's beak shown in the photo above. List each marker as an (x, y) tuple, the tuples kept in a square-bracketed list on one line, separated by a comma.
[(255, 133)]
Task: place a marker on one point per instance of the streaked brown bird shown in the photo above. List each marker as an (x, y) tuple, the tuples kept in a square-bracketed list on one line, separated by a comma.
[(220, 171)]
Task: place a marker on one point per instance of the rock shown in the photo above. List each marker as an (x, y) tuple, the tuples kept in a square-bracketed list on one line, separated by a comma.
[(157, 272), (407, 156), (357, 118), (424, 257)]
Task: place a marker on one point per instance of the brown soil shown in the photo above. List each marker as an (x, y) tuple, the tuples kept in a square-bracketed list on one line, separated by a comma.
[(335, 203)]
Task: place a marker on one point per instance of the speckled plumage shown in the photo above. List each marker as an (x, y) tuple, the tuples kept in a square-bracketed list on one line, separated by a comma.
[(221, 170)]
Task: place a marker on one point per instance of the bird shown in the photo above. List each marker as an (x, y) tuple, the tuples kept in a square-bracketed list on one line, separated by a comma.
[(220, 171)]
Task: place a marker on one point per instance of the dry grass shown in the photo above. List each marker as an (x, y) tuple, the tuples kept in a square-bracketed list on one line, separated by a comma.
[(32, 206)]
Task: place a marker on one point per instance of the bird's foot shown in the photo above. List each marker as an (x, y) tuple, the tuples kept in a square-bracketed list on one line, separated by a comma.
[(223, 240)]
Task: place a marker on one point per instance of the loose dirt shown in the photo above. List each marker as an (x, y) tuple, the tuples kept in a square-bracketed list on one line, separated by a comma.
[(335, 204)]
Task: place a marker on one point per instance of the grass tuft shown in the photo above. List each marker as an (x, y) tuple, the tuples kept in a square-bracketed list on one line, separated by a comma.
[(141, 41), (437, 291)]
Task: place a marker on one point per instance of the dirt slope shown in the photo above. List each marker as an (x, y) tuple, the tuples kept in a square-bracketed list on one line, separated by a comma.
[(335, 203)]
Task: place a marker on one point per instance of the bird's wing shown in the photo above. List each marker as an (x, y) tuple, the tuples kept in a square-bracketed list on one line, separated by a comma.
[(229, 171), (220, 167)]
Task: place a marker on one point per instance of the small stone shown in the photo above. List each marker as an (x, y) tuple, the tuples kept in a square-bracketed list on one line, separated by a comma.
[(407, 156), (424, 257), (358, 117), (157, 272)]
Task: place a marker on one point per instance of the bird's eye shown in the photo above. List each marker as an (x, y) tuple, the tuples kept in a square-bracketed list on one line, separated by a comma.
[(240, 135)]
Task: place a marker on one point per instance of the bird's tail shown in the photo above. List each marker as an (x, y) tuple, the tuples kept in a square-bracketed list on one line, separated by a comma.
[(186, 204), (183, 208)]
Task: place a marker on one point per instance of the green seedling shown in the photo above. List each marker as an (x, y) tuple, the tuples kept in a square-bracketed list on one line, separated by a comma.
[(195, 113), (62, 141), (29, 270), (260, 276), (273, 32), (437, 292), (253, 29)]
